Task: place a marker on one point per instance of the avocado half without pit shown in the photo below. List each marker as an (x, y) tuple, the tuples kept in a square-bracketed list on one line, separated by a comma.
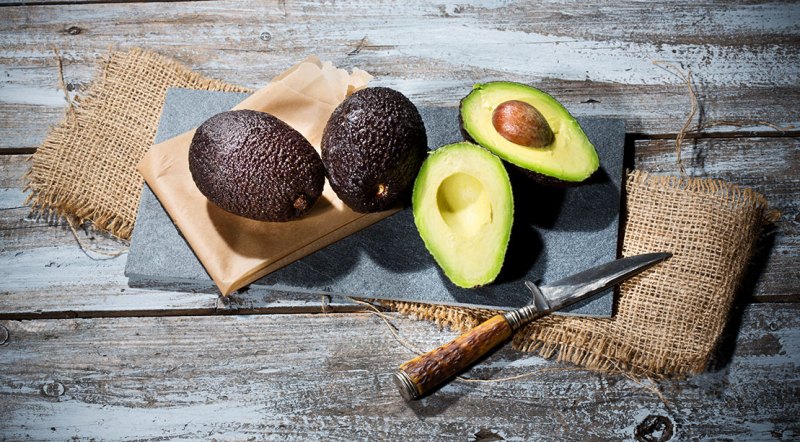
[(372, 147), (254, 165), (529, 129), (463, 208)]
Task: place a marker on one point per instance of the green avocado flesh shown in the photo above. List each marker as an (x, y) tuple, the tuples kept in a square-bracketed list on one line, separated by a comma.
[(463, 209), (570, 158)]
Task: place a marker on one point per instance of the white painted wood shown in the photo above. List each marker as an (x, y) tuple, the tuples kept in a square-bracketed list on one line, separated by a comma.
[(310, 377), (743, 57)]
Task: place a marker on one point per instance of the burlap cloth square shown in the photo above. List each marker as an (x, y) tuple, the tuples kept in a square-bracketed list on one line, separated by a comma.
[(85, 170), (668, 319)]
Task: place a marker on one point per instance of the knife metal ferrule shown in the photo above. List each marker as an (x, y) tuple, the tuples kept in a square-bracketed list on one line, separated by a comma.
[(522, 316), (404, 384)]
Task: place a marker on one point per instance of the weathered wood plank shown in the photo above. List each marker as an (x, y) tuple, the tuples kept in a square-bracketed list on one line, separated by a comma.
[(7, 3), (743, 56), (44, 273), (301, 377)]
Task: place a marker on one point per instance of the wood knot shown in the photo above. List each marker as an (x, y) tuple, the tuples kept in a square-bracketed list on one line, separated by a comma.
[(3, 335), (487, 435), (53, 389), (74, 30), (654, 428)]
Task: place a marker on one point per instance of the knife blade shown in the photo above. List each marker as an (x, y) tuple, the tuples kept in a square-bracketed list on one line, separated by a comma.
[(421, 375)]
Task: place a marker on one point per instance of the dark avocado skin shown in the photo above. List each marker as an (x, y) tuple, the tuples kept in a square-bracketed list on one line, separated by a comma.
[(254, 165), (374, 140), (538, 177)]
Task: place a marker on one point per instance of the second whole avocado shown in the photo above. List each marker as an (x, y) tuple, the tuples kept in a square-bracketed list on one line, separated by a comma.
[(372, 148)]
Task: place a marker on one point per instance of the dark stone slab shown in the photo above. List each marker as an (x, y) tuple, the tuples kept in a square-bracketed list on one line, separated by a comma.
[(557, 231)]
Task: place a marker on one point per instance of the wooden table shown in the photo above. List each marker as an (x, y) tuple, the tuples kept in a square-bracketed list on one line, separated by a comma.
[(83, 355)]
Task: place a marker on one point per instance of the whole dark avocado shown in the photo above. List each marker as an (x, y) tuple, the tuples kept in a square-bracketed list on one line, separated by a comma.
[(254, 165), (372, 148)]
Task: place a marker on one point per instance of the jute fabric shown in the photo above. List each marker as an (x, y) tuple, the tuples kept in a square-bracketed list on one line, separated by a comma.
[(85, 170)]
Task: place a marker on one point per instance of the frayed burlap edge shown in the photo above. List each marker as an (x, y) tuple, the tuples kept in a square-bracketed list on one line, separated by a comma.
[(53, 199), (591, 342)]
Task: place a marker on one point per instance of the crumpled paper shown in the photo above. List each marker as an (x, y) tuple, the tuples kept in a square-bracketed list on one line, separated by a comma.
[(236, 251)]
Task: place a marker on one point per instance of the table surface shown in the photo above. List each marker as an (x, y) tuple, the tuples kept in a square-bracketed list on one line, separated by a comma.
[(84, 355)]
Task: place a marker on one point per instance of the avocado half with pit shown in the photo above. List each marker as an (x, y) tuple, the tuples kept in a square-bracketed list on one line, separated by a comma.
[(463, 208), (530, 129)]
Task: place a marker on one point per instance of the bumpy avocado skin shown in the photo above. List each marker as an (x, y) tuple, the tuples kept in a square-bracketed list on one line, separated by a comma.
[(547, 180), (372, 148), (254, 165)]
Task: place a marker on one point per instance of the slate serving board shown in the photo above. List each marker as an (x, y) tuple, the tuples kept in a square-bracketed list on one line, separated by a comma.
[(556, 232)]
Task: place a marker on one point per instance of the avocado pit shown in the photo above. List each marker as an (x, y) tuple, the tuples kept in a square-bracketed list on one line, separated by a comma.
[(521, 123)]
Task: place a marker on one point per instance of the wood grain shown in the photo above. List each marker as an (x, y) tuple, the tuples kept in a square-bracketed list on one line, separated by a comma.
[(309, 377), (743, 57)]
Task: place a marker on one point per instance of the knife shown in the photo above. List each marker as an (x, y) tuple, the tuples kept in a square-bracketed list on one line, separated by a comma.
[(423, 374)]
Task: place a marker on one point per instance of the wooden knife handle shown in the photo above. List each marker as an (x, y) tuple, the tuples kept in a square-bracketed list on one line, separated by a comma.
[(420, 375)]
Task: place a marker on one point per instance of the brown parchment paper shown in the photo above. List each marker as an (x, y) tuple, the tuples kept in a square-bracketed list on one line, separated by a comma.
[(236, 251)]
